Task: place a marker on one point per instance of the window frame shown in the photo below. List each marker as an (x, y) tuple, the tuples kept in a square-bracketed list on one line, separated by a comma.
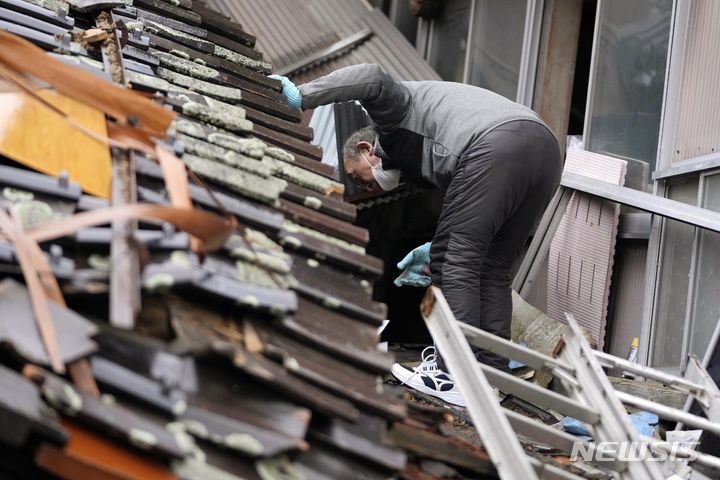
[(673, 74), (532, 31), (649, 329), (690, 317), (531, 48), (703, 166), (593, 72)]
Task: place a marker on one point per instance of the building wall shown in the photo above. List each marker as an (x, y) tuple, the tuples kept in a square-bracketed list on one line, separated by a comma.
[(685, 307), (626, 303), (698, 114), (641, 83)]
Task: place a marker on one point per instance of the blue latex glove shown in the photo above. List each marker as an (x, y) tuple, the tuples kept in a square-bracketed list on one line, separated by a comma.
[(515, 364), (576, 427), (412, 266), (643, 422), (291, 92)]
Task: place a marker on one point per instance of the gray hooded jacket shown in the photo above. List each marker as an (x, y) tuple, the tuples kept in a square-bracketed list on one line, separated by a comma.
[(424, 127)]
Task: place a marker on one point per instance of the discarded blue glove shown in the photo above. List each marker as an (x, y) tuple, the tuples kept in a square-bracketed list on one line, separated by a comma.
[(412, 266), (515, 364), (643, 422), (575, 426), (290, 90)]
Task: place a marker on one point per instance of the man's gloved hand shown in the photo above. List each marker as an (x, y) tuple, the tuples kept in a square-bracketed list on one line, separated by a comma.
[(291, 92), (416, 268)]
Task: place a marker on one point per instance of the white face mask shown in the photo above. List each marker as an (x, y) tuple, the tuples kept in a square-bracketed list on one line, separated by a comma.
[(386, 179)]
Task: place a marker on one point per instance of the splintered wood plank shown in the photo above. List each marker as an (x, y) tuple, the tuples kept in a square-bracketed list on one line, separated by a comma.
[(20, 58), (33, 135)]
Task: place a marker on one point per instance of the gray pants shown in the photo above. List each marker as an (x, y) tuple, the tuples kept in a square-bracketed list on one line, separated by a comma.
[(500, 188)]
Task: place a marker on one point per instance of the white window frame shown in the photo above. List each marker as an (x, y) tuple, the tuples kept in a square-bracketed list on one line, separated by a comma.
[(593, 68), (531, 47), (532, 31), (666, 171), (649, 328), (668, 121)]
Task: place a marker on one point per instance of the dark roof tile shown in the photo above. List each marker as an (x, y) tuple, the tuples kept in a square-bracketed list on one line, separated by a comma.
[(273, 337), (19, 330), (166, 9), (23, 413), (128, 427)]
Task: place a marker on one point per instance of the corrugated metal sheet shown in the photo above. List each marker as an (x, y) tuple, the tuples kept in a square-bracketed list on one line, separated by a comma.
[(289, 31), (323, 122), (625, 316), (699, 105), (581, 254)]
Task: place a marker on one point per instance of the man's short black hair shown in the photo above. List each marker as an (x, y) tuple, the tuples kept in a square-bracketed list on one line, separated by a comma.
[(365, 134)]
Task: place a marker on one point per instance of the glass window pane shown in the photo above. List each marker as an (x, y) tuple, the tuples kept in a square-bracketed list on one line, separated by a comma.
[(400, 14), (706, 308), (449, 40), (496, 45), (629, 78), (677, 243)]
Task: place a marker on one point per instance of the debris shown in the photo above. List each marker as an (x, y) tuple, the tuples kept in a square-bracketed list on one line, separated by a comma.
[(94, 35), (649, 390), (578, 369)]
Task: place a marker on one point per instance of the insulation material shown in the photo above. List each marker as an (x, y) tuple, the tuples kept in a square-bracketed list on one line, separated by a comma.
[(581, 254)]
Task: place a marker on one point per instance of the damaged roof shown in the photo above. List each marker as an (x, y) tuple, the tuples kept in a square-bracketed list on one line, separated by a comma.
[(194, 302), (324, 35)]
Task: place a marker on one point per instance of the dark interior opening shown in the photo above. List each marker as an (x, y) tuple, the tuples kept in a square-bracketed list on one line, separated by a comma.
[(395, 227), (582, 68)]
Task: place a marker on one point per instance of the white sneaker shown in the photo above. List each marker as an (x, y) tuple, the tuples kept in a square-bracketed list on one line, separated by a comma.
[(429, 379)]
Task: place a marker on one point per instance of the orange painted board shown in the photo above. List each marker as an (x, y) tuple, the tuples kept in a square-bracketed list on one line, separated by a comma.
[(20, 58), (92, 456), (35, 136)]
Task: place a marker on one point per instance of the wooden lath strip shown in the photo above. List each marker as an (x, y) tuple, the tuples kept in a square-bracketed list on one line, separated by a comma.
[(176, 183), (28, 253), (212, 229), (26, 86), (124, 105)]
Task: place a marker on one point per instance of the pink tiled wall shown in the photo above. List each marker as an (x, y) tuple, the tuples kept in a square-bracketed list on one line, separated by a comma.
[(581, 254)]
